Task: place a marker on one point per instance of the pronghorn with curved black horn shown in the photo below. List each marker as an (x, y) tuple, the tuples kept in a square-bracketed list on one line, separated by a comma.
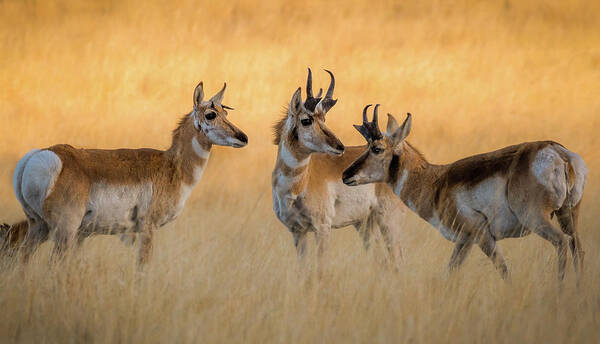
[(308, 195), (506, 193), (73, 193)]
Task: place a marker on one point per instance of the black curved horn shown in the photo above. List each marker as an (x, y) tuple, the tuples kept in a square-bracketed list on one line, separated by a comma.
[(329, 93), (365, 120), (309, 93), (375, 116)]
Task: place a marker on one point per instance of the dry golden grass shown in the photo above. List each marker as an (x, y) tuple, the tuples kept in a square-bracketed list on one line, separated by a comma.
[(476, 75)]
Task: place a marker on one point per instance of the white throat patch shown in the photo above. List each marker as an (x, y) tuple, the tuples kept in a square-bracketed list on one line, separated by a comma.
[(289, 159), (200, 152)]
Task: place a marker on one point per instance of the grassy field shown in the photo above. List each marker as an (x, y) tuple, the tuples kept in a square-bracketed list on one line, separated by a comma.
[(476, 75)]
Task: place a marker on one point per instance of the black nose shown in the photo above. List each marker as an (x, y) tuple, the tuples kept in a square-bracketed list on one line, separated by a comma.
[(340, 147), (242, 137)]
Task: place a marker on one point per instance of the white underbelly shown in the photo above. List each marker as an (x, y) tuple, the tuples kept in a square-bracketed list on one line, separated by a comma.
[(488, 200), (351, 204), (116, 208)]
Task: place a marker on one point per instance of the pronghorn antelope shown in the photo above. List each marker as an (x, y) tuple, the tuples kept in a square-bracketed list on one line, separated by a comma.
[(73, 193), (483, 198), (308, 195)]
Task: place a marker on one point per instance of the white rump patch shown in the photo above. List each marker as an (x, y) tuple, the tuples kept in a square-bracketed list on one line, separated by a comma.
[(38, 178), (549, 169), (18, 175), (581, 172)]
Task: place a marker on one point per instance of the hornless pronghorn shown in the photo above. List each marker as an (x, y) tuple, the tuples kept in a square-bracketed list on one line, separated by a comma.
[(78, 192), (308, 195), (483, 198)]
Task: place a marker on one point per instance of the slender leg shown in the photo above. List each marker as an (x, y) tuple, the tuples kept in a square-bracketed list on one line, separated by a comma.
[(547, 230), (568, 218), (488, 245), (66, 234), (461, 250), (37, 234), (145, 245), (300, 242), (391, 244), (364, 230), (322, 237)]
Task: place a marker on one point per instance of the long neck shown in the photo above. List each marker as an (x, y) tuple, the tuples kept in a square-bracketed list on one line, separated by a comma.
[(291, 167), (413, 178), (189, 151)]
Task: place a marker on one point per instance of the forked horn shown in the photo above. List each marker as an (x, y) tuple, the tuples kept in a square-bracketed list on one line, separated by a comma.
[(370, 130), (328, 102), (311, 101)]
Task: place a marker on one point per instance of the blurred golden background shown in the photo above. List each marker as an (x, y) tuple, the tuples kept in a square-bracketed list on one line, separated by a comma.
[(476, 75)]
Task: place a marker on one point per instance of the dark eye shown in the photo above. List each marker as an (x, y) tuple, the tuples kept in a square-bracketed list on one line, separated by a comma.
[(376, 150), (210, 116), (307, 121)]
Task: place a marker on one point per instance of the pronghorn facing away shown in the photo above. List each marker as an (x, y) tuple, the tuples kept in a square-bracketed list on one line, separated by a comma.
[(78, 192), (308, 195), (483, 198)]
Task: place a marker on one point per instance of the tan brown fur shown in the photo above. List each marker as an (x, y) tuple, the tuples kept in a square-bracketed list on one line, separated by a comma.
[(509, 192), (308, 195), (88, 179)]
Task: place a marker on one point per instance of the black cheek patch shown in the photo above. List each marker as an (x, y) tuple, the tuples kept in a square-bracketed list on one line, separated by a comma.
[(355, 167), (394, 168)]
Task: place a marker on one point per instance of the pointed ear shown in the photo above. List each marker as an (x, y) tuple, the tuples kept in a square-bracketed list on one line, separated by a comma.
[(218, 98), (392, 125), (198, 95), (324, 105), (402, 132), (296, 102), (363, 131)]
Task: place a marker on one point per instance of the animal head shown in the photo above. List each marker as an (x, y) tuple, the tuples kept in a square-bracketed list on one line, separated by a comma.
[(210, 120), (374, 164), (304, 123)]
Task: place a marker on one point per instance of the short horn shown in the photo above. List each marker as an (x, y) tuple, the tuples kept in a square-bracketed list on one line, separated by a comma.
[(309, 93), (329, 93), (320, 93), (365, 120)]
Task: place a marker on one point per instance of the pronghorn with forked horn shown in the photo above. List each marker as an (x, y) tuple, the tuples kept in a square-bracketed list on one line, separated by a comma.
[(73, 193), (308, 195), (506, 193)]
